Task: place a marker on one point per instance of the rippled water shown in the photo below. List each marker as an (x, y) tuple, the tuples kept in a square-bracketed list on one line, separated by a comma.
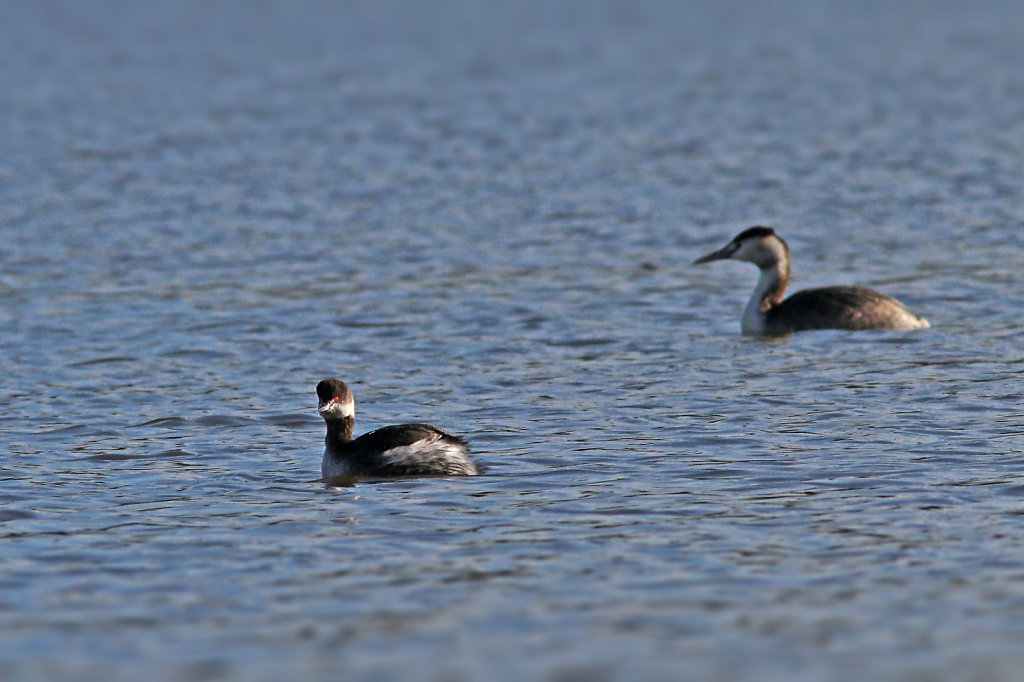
[(482, 216)]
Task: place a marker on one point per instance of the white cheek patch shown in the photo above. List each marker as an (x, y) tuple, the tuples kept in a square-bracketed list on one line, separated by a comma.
[(761, 252), (777, 249), (748, 250), (340, 410)]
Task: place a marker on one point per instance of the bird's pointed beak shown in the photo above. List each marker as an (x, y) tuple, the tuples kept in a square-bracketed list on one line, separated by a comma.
[(724, 252)]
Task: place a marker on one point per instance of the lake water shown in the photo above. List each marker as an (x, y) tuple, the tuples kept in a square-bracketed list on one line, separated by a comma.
[(482, 215)]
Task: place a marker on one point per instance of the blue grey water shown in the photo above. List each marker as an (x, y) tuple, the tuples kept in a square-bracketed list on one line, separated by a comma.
[(482, 215)]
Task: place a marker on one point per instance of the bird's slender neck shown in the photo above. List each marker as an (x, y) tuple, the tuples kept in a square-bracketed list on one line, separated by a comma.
[(770, 289), (340, 430)]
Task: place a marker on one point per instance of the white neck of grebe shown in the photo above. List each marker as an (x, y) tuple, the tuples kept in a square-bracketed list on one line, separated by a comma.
[(771, 287)]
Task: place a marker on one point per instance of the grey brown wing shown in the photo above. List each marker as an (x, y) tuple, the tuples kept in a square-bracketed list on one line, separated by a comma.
[(839, 307)]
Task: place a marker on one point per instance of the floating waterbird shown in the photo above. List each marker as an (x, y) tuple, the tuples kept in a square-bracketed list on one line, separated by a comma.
[(403, 450), (838, 307)]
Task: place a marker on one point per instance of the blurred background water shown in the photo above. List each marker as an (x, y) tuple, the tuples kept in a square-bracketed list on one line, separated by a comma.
[(482, 215)]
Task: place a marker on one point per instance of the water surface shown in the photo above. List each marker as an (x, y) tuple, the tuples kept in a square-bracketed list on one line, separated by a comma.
[(482, 216)]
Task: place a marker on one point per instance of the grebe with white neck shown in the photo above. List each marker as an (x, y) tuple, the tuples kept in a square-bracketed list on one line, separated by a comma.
[(838, 307), (402, 450)]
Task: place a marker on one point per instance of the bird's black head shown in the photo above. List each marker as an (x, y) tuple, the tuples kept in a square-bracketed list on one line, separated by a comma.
[(335, 400), (755, 232)]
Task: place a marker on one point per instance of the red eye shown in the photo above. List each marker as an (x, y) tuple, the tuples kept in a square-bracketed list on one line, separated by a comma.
[(336, 399)]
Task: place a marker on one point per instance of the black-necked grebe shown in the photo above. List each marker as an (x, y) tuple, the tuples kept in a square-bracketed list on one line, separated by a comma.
[(403, 450), (840, 307)]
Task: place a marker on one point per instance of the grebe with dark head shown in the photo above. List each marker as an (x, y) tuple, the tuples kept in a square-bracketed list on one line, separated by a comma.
[(403, 450), (839, 307)]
